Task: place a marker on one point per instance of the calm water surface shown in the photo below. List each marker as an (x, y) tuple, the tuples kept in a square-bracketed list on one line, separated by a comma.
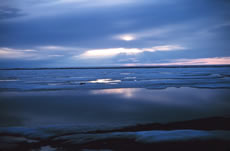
[(124, 106)]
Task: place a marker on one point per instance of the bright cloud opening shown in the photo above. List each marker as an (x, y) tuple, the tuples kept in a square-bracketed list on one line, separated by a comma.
[(111, 52)]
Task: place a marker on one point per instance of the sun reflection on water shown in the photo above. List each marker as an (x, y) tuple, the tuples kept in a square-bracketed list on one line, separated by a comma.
[(106, 81)]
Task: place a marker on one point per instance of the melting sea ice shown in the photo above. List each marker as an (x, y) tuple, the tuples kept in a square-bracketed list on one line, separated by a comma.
[(78, 109)]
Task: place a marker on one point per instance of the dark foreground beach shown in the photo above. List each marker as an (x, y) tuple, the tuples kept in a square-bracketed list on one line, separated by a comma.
[(115, 109), (203, 134)]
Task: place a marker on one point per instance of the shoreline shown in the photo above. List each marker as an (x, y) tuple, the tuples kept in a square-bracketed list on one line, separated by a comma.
[(148, 137)]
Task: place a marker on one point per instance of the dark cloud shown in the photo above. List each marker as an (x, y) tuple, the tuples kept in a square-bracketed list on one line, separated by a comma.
[(7, 12)]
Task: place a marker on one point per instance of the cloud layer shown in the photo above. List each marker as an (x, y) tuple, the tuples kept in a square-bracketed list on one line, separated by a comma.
[(111, 52), (108, 33)]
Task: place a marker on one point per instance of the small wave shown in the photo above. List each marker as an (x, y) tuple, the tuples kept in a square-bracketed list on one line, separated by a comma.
[(55, 84), (130, 78), (125, 73), (9, 80)]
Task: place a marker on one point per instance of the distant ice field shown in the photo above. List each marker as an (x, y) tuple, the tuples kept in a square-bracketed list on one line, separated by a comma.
[(49, 109), (150, 78)]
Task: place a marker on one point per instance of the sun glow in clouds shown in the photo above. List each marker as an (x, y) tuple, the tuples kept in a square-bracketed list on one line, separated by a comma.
[(111, 52), (126, 37)]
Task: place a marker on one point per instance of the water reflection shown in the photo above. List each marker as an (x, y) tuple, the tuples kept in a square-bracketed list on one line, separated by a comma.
[(126, 93), (106, 81), (173, 96), (111, 106)]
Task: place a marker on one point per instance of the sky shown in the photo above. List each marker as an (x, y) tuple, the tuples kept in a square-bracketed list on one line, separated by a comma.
[(83, 33)]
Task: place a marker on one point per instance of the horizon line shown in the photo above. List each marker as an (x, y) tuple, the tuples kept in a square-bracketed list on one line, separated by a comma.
[(118, 67)]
